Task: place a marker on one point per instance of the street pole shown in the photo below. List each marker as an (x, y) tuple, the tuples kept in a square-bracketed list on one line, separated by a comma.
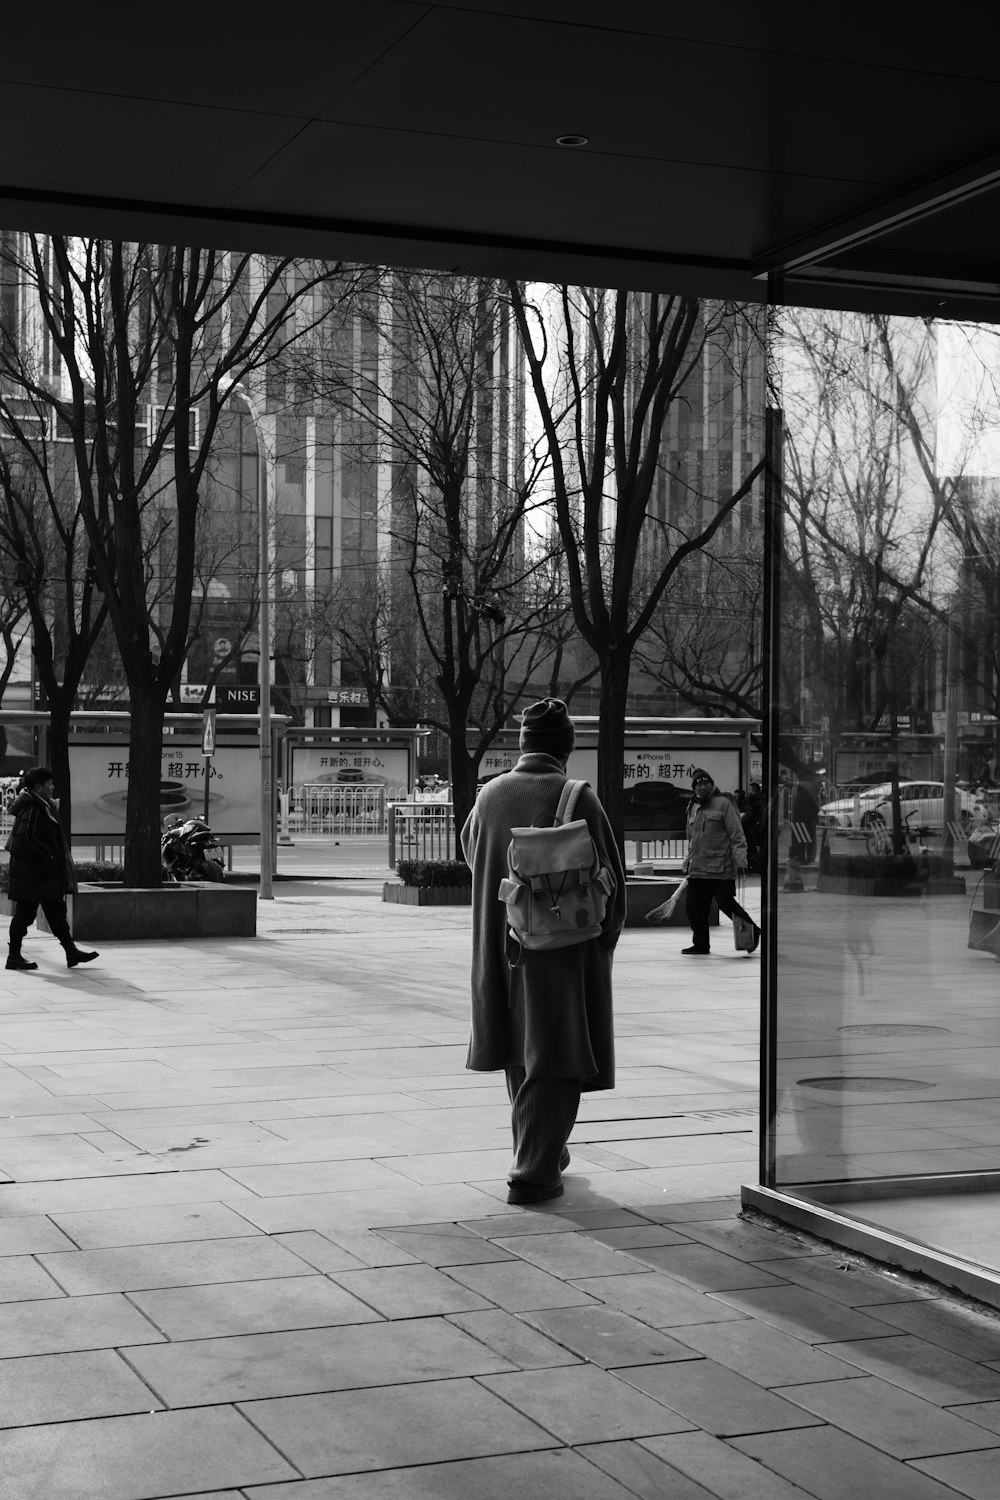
[(264, 632), (264, 636)]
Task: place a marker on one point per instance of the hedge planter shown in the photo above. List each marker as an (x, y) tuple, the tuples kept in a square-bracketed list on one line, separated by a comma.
[(432, 895), (104, 913)]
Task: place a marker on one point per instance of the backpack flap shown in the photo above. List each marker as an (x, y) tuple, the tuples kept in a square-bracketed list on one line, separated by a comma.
[(543, 851)]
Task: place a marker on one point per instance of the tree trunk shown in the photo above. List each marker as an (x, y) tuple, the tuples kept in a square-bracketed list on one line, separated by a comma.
[(611, 742), (58, 759), (142, 824), (464, 772)]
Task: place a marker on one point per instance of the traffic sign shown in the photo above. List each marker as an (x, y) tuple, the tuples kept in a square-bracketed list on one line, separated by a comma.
[(208, 732)]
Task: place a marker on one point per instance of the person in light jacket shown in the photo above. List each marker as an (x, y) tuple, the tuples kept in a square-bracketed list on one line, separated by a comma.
[(717, 853), (548, 1022), (41, 870)]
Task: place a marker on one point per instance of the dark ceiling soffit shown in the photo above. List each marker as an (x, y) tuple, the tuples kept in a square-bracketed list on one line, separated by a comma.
[(81, 214), (919, 201)]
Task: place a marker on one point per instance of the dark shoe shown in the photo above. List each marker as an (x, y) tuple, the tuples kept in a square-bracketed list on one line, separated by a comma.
[(532, 1192), (564, 1159), (756, 939), (15, 961), (78, 956), (696, 952)]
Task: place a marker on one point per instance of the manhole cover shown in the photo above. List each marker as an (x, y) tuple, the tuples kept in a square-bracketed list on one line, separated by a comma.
[(890, 1029), (865, 1085)]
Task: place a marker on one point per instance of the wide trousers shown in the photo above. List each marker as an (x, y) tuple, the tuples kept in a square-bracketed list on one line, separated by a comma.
[(542, 1114), (699, 896), (25, 913)]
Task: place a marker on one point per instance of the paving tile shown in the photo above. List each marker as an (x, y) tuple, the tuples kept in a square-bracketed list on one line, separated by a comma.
[(579, 1403), (832, 1465), (182, 1221), (972, 1474), (410, 1291), (635, 1236), (445, 1245), (642, 1472), (314, 1177), (394, 1426), (923, 1368), (237, 1307), (68, 1323), (889, 1418), (807, 1315), (717, 1399), (31, 1234), (727, 1473), (68, 1387), (568, 1255), (765, 1355), (750, 1241), (986, 1413), (703, 1267), (191, 1263), (555, 1474), (318, 1251), (844, 1280), (692, 1210), (135, 1457), (513, 1339), (952, 1324), (255, 1367), (606, 1337), (657, 1300), (22, 1278), (544, 1218), (518, 1287)]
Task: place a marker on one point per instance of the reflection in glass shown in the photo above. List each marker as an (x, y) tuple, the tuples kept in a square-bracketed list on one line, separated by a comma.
[(887, 1069)]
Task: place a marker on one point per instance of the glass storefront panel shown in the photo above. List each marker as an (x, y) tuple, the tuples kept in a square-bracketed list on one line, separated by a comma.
[(883, 1050)]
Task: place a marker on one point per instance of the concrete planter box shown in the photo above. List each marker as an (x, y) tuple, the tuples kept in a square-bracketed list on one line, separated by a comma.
[(103, 913), (644, 894), (433, 895)]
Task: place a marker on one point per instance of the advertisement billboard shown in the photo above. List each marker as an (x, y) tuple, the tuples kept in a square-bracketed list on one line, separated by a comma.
[(348, 764), (99, 769)]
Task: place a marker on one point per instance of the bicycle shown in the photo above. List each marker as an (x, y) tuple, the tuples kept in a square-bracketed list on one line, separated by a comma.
[(879, 839)]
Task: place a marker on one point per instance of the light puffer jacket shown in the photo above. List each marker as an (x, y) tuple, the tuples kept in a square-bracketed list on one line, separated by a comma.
[(717, 846)]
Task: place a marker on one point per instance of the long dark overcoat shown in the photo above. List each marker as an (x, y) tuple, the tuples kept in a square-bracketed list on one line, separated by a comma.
[(40, 865), (553, 1014)]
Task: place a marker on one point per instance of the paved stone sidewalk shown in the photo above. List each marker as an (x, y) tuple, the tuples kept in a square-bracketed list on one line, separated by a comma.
[(254, 1242)]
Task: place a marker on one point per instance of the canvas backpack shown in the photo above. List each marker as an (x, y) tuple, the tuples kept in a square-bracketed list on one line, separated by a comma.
[(557, 890)]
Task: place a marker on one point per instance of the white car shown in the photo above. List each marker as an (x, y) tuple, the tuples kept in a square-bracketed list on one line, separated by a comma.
[(921, 804)]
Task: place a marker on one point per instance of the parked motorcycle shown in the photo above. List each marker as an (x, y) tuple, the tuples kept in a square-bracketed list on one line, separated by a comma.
[(189, 850)]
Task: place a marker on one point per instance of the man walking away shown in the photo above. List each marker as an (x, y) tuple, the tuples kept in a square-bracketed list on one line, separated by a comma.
[(717, 853), (547, 1022), (41, 869)]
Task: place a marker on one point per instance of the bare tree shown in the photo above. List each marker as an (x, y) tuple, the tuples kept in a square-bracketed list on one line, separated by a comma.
[(151, 342), (440, 404), (609, 371)]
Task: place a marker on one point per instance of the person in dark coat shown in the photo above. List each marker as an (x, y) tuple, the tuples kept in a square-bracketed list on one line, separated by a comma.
[(41, 869), (547, 1022), (717, 853)]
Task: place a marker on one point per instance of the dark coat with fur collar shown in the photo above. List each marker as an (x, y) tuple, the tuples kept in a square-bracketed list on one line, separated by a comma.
[(40, 865), (553, 1015)]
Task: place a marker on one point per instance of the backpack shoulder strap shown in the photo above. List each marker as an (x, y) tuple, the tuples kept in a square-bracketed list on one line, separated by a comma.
[(568, 800)]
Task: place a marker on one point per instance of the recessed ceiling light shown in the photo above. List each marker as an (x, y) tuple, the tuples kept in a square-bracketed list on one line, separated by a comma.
[(571, 140)]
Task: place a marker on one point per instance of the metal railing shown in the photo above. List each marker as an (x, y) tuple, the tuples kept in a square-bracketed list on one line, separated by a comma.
[(650, 850), (333, 808), (421, 830)]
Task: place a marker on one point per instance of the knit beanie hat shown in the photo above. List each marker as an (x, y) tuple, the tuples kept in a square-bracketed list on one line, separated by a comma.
[(546, 727), (701, 775)]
